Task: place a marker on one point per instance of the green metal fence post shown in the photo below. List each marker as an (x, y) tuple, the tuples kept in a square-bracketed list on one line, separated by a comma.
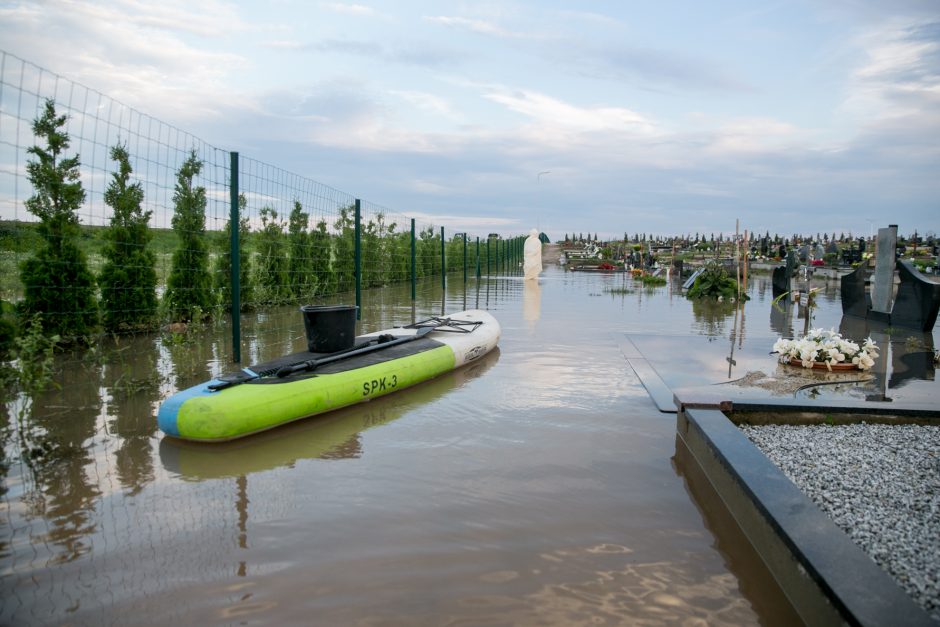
[(358, 261), (233, 223), (487, 256), (478, 256), (465, 257), (414, 265), (443, 263)]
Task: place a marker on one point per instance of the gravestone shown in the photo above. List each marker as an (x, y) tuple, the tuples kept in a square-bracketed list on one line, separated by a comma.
[(882, 287), (832, 248), (918, 300)]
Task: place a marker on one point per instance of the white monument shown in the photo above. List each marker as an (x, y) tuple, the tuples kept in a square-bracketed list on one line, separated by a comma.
[(532, 252)]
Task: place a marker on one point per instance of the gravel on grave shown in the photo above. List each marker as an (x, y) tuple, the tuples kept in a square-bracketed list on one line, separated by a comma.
[(879, 483)]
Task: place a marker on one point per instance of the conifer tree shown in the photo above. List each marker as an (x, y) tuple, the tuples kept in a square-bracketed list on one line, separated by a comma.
[(320, 250), (298, 265), (272, 262), (344, 269), (58, 285), (189, 294), (128, 279), (223, 263)]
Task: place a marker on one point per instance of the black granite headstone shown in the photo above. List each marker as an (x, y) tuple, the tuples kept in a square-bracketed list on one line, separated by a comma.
[(918, 299), (855, 301)]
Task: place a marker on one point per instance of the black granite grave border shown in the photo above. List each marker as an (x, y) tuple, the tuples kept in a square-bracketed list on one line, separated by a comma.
[(827, 577)]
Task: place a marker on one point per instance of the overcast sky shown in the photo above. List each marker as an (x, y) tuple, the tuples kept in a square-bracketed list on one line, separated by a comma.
[(662, 117)]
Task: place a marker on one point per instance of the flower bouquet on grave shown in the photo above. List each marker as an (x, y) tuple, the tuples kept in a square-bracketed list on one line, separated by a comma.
[(827, 349)]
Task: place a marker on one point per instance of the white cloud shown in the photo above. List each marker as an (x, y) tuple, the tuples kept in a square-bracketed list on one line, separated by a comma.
[(752, 135), (134, 53), (553, 112), (349, 9), (428, 102), (483, 27), (901, 73)]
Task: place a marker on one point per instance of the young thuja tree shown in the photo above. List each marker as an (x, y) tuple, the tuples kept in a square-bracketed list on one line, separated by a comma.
[(429, 252), (376, 252), (189, 295), (301, 281), (344, 247), (223, 262), (128, 279), (272, 262), (398, 249), (319, 266), (58, 285)]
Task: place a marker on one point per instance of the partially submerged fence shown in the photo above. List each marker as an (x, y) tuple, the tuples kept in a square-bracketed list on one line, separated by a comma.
[(177, 229)]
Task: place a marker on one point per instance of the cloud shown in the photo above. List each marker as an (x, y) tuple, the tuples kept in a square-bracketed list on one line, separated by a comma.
[(476, 25), (901, 73), (348, 9), (429, 103), (555, 113), (463, 222), (407, 53), (622, 62), (136, 53)]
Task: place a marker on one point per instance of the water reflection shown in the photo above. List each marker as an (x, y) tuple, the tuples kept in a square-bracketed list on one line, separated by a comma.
[(712, 316), (781, 317), (133, 381), (753, 577), (531, 303), (61, 424), (336, 435), (904, 370)]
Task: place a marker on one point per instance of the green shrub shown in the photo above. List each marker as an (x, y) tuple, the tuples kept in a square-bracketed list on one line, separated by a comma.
[(189, 293), (59, 288), (652, 281), (302, 282), (714, 282), (344, 244), (128, 279), (320, 250), (223, 262), (272, 262)]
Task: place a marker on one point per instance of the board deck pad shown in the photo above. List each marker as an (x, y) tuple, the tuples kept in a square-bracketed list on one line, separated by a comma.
[(378, 356)]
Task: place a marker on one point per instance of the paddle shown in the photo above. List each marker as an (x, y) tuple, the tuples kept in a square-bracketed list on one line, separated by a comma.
[(313, 364)]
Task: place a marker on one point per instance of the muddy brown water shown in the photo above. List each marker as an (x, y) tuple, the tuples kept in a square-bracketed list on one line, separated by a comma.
[(538, 486)]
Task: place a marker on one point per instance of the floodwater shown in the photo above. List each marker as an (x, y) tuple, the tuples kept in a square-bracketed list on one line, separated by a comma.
[(538, 486)]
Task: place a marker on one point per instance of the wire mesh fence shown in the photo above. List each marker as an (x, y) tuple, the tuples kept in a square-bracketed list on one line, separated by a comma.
[(112, 221)]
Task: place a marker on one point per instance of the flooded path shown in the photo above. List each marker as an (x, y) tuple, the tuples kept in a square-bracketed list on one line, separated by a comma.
[(539, 486)]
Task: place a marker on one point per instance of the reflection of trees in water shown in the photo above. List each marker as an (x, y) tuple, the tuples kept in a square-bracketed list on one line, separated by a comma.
[(712, 315), (192, 356), (6, 437), (133, 382), (65, 418)]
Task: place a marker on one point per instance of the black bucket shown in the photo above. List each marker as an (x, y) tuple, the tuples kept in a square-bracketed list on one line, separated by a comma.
[(329, 328)]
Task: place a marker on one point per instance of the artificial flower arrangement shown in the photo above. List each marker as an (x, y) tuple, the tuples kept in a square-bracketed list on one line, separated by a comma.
[(821, 347)]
